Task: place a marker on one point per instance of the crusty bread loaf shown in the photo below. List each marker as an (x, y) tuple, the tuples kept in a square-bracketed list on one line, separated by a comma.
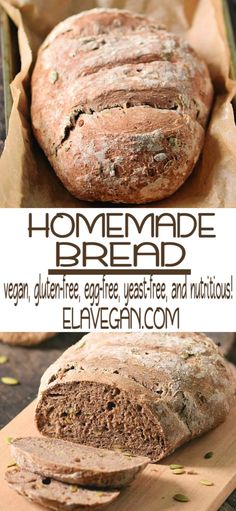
[(56, 495), (77, 464), (119, 106), (144, 393), (25, 338)]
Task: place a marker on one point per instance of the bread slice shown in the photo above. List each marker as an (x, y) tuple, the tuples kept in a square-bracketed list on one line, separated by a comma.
[(56, 495), (77, 464)]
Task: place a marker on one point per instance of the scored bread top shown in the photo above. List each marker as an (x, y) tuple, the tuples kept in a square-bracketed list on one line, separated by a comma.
[(148, 393), (108, 79), (180, 358)]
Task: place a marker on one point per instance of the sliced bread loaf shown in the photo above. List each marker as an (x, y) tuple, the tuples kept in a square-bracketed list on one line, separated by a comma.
[(56, 495), (78, 464), (145, 393)]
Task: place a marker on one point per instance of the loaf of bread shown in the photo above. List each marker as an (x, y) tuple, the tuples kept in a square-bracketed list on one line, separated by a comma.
[(119, 106), (25, 338), (56, 495), (76, 464), (144, 393)]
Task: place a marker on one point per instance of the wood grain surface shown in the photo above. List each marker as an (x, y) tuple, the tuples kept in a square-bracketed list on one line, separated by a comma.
[(155, 488)]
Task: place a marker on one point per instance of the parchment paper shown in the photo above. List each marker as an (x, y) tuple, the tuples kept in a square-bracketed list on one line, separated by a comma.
[(26, 178)]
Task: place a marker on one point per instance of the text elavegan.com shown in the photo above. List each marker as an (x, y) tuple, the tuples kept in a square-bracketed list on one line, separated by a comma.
[(127, 318)]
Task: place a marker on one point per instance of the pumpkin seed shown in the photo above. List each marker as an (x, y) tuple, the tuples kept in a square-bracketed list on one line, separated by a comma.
[(81, 344), (54, 77), (178, 471), (9, 440), (174, 466), (117, 449), (205, 482), (74, 488), (3, 359), (14, 464), (186, 354), (160, 157), (181, 498), (208, 455), (7, 380), (67, 420), (173, 141), (127, 454)]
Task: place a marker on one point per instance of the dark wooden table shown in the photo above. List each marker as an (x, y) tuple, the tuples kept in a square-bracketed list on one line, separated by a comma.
[(27, 366)]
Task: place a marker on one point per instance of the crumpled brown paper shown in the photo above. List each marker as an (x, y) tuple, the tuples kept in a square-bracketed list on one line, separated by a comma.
[(26, 178)]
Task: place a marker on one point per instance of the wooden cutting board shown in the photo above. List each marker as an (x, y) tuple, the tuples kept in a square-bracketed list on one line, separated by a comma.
[(154, 489)]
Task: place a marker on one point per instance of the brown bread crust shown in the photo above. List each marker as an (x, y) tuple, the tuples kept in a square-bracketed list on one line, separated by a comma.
[(25, 338), (76, 464), (57, 495), (119, 106), (144, 393)]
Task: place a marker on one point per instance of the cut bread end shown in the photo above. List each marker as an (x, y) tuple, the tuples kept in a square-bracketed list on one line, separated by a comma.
[(100, 415)]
